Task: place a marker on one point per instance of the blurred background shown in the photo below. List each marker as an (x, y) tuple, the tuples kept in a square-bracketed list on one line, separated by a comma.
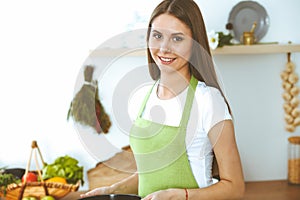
[(44, 44)]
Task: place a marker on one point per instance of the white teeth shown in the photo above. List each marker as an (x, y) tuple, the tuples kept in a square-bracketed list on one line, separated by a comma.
[(166, 59)]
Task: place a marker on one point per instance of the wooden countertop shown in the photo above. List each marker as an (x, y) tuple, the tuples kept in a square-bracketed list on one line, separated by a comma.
[(261, 190), (272, 190)]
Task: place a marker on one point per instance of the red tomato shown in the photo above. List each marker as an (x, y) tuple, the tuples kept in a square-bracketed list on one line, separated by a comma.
[(31, 177)]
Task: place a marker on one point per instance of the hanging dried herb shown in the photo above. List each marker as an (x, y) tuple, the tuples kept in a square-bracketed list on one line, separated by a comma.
[(86, 107)]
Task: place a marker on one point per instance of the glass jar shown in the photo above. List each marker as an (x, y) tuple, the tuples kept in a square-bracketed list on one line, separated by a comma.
[(294, 160)]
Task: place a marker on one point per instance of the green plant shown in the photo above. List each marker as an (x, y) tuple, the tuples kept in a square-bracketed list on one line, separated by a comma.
[(65, 167), (219, 39), (224, 39), (6, 179)]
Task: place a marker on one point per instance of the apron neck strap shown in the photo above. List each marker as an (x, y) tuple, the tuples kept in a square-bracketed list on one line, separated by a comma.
[(145, 101), (189, 102)]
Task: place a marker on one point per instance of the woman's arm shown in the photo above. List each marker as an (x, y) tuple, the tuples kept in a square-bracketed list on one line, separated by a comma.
[(128, 185), (231, 184)]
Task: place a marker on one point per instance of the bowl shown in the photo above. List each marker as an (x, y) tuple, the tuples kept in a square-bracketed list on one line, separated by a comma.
[(17, 172)]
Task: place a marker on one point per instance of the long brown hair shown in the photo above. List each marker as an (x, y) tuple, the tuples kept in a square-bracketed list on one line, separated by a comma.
[(200, 64)]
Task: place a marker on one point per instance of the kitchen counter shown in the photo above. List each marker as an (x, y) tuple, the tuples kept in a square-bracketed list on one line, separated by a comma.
[(262, 190), (272, 190)]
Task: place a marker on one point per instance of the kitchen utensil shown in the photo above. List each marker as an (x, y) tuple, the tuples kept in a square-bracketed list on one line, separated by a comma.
[(253, 27), (113, 197), (249, 37)]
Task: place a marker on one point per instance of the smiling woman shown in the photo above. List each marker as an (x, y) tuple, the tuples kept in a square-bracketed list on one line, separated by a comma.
[(44, 60), (175, 146)]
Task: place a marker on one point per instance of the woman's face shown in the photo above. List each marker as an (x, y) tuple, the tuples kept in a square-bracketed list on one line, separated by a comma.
[(170, 43)]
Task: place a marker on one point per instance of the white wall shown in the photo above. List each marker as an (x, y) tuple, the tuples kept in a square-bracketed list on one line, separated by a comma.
[(253, 86), (44, 44)]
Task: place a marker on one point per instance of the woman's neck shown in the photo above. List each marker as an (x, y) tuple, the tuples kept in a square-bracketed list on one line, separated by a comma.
[(172, 84)]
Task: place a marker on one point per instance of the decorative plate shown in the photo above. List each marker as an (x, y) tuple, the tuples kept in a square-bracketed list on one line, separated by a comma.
[(242, 17)]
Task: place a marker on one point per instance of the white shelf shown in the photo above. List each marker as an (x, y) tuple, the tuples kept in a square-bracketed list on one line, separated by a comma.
[(257, 49), (226, 50)]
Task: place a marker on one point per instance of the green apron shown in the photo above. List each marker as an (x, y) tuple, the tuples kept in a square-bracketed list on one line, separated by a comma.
[(160, 150)]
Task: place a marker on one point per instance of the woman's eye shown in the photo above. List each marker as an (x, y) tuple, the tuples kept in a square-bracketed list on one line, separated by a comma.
[(177, 39), (157, 36)]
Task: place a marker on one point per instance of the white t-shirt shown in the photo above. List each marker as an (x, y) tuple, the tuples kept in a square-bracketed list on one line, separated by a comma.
[(208, 109)]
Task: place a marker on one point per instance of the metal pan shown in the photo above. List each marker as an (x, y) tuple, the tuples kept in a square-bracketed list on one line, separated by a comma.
[(113, 197)]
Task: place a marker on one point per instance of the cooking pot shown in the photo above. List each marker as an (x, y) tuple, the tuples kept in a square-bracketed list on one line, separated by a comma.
[(113, 197)]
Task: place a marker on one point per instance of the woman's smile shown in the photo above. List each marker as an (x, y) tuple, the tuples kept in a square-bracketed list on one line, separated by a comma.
[(166, 60)]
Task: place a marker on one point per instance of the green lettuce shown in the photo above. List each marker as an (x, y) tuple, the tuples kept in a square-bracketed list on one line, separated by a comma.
[(65, 167)]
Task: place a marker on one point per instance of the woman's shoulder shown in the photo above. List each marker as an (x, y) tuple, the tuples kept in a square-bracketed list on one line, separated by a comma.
[(207, 91), (212, 105), (210, 98)]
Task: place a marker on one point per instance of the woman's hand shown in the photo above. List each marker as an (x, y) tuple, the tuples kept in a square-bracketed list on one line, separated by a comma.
[(97, 191), (128, 185), (170, 194)]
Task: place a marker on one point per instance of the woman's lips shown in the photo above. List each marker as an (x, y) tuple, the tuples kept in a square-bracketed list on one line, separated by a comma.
[(165, 60)]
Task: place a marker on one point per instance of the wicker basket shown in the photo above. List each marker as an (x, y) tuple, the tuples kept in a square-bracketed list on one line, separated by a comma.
[(294, 160), (38, 189)]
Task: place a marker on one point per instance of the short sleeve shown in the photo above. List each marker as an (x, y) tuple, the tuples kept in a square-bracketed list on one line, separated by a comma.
[(214, 108)]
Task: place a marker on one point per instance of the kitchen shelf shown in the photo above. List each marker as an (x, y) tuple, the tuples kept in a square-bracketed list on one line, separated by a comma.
[(257, 49), (225, 50)]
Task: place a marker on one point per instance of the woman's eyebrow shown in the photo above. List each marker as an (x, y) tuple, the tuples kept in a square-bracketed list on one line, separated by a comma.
[(178, 33), (156, 31)]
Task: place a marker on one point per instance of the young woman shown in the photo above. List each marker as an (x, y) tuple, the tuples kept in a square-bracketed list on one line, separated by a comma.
[(185, 120)]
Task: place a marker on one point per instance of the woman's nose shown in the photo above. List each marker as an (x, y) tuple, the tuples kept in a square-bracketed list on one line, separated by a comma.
[(165, 47)]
